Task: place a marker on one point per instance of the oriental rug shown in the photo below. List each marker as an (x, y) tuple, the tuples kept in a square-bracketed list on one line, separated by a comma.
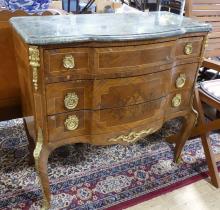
[(97, 177)]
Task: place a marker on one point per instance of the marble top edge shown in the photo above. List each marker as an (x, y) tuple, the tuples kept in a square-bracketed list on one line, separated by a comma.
[(46, 30)]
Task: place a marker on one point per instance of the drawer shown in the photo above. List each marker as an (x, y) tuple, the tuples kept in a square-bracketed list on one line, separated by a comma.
[(178, 101), (69, 96), (78, 123), (133, 90), (133, 58), (189, 47), (66, 62), (63, 126), (109, 93), (183, 76), (127, 136), (112, 62)]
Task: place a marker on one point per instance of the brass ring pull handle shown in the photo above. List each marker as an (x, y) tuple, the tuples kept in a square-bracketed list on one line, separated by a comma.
[(69, 62), (176, 101), (71, 101), (188, 49), (181, 80), (71, 123)]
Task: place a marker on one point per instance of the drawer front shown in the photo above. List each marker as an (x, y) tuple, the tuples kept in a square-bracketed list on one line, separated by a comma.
[(189, 47), (78, 123), (69, 96), (112, 62), (118, 118), (122, 92), (183, 76), (63, 126), (66, 62), (134, 58), (127, 136), (178, 101), (109, 93)]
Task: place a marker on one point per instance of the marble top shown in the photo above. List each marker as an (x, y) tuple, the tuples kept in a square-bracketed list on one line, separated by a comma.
[(44, 30)]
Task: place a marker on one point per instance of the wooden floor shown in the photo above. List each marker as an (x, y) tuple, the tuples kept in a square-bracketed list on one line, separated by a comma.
[(197, 196)]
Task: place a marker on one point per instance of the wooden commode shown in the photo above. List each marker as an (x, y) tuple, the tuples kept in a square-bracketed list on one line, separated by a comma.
[(105, 79)]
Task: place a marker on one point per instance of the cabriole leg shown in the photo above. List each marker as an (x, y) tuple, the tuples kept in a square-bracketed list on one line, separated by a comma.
[(41, 154), (31, 144), (188, 125)]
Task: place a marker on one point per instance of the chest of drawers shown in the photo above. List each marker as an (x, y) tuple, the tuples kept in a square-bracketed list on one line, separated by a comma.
[(105, 88)]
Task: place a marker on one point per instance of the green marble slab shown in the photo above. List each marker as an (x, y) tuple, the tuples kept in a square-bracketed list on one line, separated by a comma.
[(46, 30)]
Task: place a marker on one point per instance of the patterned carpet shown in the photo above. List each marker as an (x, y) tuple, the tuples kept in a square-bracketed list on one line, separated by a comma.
[(95, 177)]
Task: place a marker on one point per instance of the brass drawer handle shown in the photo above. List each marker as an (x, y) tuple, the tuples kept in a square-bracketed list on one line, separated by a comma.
[(71, 101), (71, 123), (188, 49), (69, 62), (176, 101), (181, 80)]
